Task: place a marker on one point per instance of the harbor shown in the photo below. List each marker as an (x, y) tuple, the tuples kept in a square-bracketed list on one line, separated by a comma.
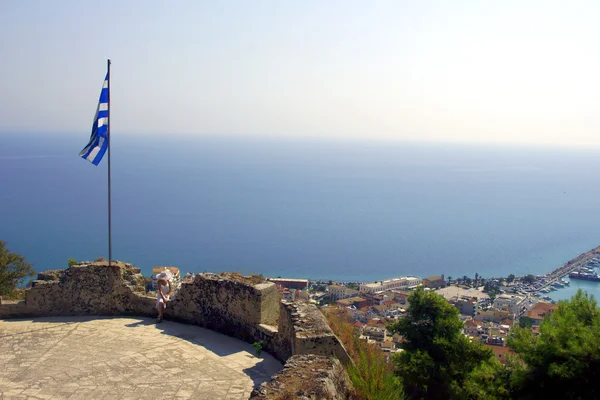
[(578, 273), (564, 281)]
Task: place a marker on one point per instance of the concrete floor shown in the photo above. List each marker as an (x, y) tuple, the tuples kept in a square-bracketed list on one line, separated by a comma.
[(125, 358)]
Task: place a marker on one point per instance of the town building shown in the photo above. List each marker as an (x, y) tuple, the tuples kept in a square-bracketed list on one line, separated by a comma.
[(465, 306), (540, 311), (404, 282), (496, 316), (175, 281), (434, 282), (337, 292), (473, 328), (300, 284), (495, 341), (374, 299), (500, 352), (512, 303), (357, 302)]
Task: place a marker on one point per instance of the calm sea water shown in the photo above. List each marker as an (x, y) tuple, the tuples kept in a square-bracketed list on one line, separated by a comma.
[(345, 210)]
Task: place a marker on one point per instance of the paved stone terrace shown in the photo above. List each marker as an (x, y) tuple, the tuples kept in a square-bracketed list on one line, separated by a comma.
[(125, 358)]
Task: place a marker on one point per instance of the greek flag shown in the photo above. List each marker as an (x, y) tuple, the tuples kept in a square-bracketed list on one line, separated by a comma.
[(95, 149)]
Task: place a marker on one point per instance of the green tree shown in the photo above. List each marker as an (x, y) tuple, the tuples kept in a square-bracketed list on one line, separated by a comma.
[(510, 278), (437, 358), (13, 270), (490, 380), (564, 360), (526, 322), (449, 278), (352, 285), (476, 276), (529, 279), (72, 262)]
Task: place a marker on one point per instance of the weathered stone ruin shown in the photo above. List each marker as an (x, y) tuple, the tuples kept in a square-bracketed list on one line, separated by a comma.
[(227, 303)]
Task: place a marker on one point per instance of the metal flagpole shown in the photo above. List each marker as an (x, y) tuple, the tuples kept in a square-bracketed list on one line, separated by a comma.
[(109, 198)]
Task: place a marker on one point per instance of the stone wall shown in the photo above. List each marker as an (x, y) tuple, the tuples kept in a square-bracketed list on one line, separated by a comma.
[(304, 330), (309, 377), (231, 304), (228, 306)]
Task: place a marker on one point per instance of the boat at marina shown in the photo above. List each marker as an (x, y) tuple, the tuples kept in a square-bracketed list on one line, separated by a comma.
[(586, 276)]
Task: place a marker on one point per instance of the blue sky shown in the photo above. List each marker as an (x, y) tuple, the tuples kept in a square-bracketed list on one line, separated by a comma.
[(491, 72)]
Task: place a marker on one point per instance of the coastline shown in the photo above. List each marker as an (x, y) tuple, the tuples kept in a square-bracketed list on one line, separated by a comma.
[(544, 281)]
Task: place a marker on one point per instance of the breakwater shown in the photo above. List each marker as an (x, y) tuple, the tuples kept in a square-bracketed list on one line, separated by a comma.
[(571, 265)]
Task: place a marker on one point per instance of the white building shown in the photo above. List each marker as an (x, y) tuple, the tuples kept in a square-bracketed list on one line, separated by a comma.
[(404, 282), (337, 292), (371, 287), (510, 302)]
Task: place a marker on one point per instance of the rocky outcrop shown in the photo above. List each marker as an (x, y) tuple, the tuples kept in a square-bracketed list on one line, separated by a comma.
[(51, 275), (308, 377)]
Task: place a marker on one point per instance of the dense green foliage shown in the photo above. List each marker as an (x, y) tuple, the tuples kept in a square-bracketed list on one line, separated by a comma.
[(371, 373), (526, 322), (529, 279), (438, 361), (72, 262), (564, 360), (13, 270)]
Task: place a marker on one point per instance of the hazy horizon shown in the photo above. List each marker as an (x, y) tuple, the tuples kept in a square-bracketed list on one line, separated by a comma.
[(467, 72)]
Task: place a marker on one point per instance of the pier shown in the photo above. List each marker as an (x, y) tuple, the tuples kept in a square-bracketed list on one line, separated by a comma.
[(571, 265)]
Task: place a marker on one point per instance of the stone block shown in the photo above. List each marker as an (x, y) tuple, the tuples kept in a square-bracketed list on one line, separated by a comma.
[(308, 376)]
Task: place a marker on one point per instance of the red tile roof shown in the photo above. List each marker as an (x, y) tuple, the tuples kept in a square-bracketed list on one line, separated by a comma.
[(540, 310), (500, 352)]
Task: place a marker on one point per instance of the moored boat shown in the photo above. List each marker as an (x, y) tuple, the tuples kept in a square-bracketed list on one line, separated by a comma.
[(586, 276)]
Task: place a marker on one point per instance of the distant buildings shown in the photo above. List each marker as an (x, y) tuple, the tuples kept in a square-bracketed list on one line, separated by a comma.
[(540, 311), (291, 289), (300, 284), (337, 292), (496, 316), (357, 302), (434, 282), (389, 284), (500, 353), (513, 303), (466, 306)]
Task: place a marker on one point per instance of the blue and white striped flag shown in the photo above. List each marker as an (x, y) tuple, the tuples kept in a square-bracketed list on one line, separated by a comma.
[(95, 149)]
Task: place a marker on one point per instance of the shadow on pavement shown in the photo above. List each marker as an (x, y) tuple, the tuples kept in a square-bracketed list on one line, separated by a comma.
[(258, 369)]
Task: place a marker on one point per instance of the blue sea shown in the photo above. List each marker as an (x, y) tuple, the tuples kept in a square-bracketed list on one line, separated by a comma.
[(348, 210)]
